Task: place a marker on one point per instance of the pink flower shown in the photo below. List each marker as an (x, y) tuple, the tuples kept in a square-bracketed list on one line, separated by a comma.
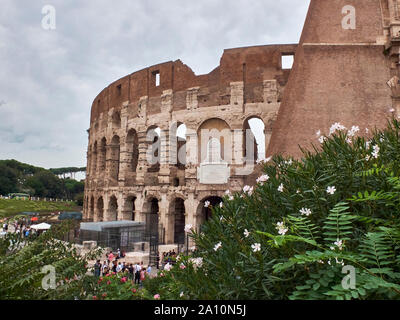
[(108, 282), (104, 295), (123, 280), (157, 296), (134, 290), (182, 266), (94, 298)]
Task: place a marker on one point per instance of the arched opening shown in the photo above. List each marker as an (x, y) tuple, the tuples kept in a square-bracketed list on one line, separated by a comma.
[(153, 154), (254, 143), (151, 210), (204, 211), (91, 209), (219, 131), (129, 208), (116, 120), (115, 158), (181, 145), (132, 148), (100, 209), (179, 221), (112, 209), (93, 167), (102, 155)]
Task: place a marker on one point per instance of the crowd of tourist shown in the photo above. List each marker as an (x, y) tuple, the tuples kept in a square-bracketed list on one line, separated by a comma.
[(136, 272), (20, 228)]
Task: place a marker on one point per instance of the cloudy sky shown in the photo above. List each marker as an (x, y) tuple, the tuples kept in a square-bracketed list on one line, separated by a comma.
[(49, 78)]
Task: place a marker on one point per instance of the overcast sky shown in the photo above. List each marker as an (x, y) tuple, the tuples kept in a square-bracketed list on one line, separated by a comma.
[(49, 78)]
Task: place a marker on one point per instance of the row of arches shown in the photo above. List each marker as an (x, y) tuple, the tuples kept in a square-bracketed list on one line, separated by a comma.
[(215, 142), (177, 218)]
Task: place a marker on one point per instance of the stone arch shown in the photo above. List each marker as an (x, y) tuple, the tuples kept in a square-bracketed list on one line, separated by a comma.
[(100, 209), (151, 210), (115, 156), (132, 149), (177, 219), (93, 166), (205, 213), (178, 143), (153, 138), (219, 129), (116, 120), (129, 209), (91, 209), (112, 211), (102, 155), (254, 140)]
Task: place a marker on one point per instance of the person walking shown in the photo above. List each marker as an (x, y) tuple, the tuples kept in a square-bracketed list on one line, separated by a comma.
[(97, 269), (110, 257), (137, 273)]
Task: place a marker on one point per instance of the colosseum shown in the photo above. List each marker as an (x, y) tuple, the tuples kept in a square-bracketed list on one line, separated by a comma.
[(345, 70)]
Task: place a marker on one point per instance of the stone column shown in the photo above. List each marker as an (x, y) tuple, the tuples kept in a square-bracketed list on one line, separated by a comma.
[(142, 161), (237, 93)]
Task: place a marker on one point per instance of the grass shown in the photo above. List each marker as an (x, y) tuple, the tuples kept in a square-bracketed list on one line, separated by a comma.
[(13, 206)]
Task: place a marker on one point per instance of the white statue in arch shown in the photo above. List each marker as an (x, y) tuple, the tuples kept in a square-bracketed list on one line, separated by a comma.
[(213, 170)]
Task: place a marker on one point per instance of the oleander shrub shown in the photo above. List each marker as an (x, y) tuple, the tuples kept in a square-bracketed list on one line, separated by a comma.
[(296, 234)]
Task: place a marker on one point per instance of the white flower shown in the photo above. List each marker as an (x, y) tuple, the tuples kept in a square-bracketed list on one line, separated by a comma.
[(256, 247), (227, 192), (280, 188), (182, 294), (375, 153), (353, 131), (298, 191), (366, 130), (318, 134), (367, 157), (248, 190), (263, 178), (392, 110), (339, 244), (336, 126), (246, 233), (231, 198), (217, 246), (331, 190), (305, 211), (348, 140), (321, 139), (168, 267), (197, 262), (207, 204), (281, 228), (221, 204), (188, 228)]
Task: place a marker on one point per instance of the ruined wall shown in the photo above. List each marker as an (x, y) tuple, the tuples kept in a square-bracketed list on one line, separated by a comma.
[(339, 75), (249, 82)]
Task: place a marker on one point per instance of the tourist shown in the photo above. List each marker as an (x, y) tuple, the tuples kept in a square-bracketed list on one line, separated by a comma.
[(131, 271), (114, 267), (104, 268), (119, 267), (110, 257), (142, 276), (97, 268), (137, 273), (148, 270)]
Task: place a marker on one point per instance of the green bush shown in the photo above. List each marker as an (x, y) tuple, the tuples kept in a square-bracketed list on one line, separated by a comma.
[(291, 235)]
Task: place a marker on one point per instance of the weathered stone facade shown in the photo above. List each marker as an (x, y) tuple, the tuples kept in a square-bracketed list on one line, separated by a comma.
[(346, 69), (121, 184)]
